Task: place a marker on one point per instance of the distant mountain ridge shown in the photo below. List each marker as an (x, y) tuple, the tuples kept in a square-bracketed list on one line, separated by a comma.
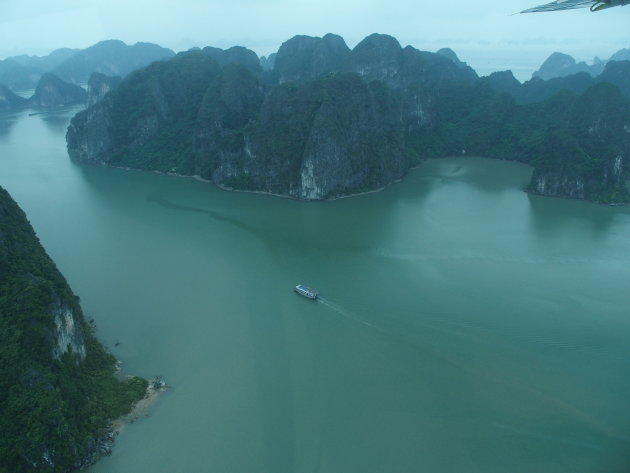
[(563, 65), (330, 121), (111, 57), (538, 90), (46, 63)]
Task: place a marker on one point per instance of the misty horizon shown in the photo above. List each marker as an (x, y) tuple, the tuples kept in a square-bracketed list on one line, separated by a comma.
[(483, 58), (485, 34)]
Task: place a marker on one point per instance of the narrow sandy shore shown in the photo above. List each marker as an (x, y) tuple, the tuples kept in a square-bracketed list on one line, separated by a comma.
[(140, 410)]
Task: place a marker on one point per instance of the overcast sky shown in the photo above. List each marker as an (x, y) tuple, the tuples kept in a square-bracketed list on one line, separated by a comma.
[(481, 32)]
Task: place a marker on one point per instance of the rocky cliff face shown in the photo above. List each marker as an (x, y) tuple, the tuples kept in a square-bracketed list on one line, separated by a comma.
[(329, 121), (52, 92), (587, 158), (318, 140), (605, 184), (165, 99), (68, 335), (98, 85)]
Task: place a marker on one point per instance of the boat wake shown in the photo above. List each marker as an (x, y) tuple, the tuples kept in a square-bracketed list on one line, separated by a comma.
[(345, 313)]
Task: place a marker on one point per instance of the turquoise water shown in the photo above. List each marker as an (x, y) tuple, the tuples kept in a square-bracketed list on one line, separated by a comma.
[(464, 325)]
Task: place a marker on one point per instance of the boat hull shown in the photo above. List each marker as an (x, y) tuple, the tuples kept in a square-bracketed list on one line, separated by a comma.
[(306, 291)]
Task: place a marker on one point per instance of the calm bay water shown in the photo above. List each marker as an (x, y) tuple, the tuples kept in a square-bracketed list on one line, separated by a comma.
[(464, 327)]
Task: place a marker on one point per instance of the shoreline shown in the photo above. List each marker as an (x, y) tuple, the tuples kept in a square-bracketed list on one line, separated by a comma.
[(104, 441), (140, 409), (198, 178)]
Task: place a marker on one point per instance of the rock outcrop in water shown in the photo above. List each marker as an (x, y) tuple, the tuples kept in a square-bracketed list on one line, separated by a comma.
[(328, 121), (10, 101), (52, 92), (58, 391)]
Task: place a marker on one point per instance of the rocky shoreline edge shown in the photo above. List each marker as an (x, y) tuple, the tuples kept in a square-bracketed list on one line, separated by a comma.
[(103, 444), (198, 178)]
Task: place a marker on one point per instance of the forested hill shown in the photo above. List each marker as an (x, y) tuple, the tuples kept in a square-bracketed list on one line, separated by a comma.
[(57, 386), (329, 121)]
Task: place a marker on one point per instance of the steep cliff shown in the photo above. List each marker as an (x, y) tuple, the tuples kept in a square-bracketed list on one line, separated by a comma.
[(316, 140), (53, 92), (57, 386), (98, 85), (148, 121), (329, 121), (577, 144), (585, 158)]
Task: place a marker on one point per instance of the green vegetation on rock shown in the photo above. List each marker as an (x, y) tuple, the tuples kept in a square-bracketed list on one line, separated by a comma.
[(58, 385), (329, 121)]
